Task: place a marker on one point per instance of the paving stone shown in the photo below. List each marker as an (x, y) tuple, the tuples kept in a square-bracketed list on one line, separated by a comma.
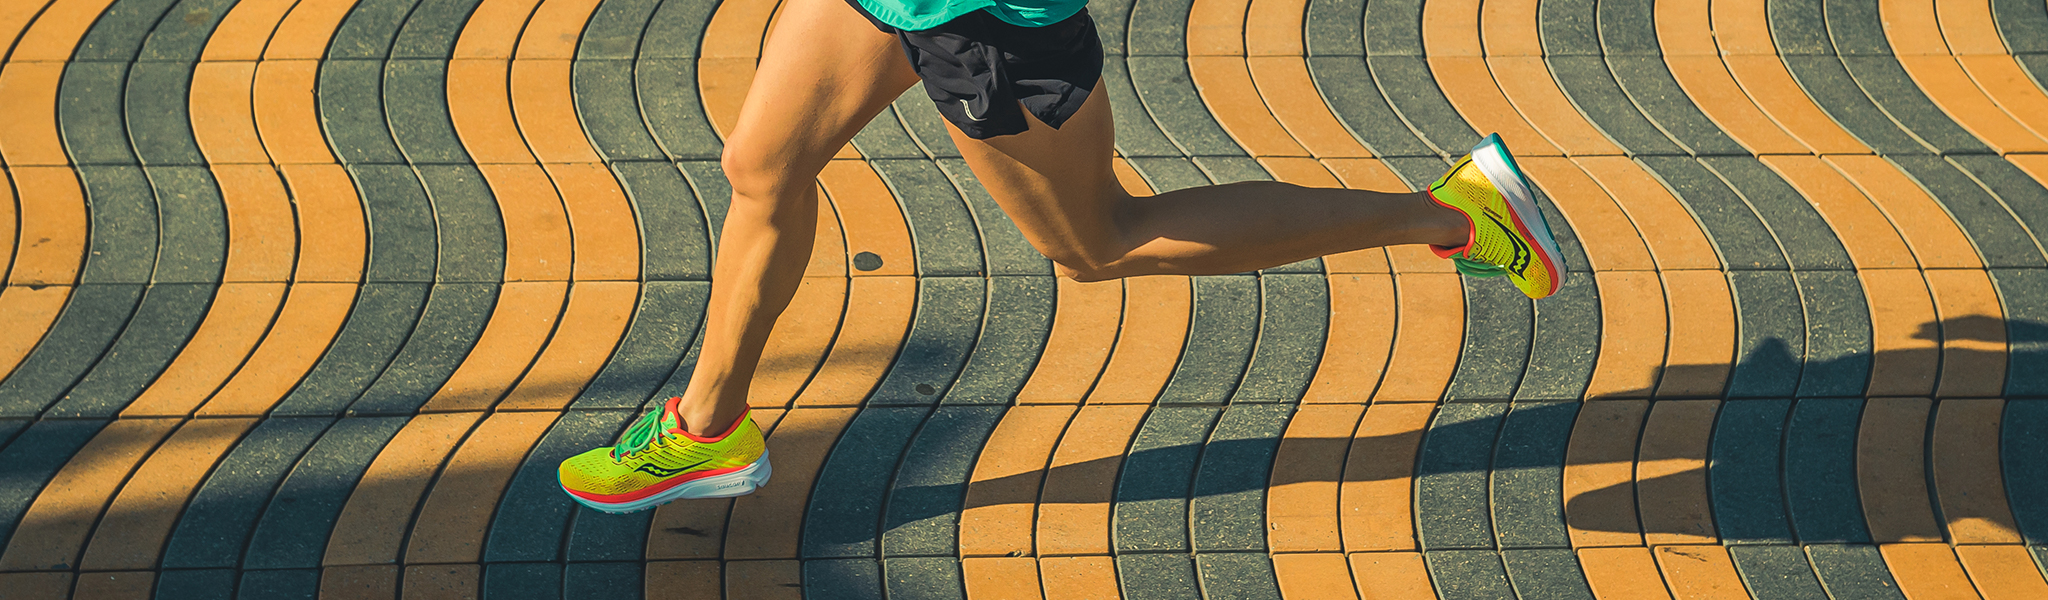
[(472, 234), (281, 584), (1393, 28), (1237, 576), (1137, 135), (2024, 424), (1418, 171), (1998, 236), (609, 107), (2020, 193), (124, 246), (1568, 245), (118, 34), (1773, 336), (1820, 454), (847, 501), (11, 427), (1335, 28), (843, 579), (1294, 315), (159, 329), (195, 584), (1566, 343), (90, 114), (2026, 330), (713, 192), (664, 325), (1805, 238), (1228, 509), (675, 243), (1777, 572), (942, 229), (431, 29), (1112, 20), (1827, 81), (616, 28), (352, 108), (1528, 475), (603, 580), (1468, 574), (921, 119), (1158, 28), (1413, 93), (673, 109), (1546, 573), (1569, 28), (416, 104), (533, 514), (1013, 336), (1591, 87), (1744, 474), (1853, 571), (1169, 95), (1169, 174), (183, 32), (94, 316), (194, 226), (1491, 365), (33, 458), (404, 240), (1838, 334), (214, 529), (369, 29), (884, 137), (1736, 232), (1451, 478), (1649, 82), (1347, 87), (935, 578), (1231, 169), (676, 28), (2015, 17), (378, 325), (596, 536), (294, 529), (159, 117), (523, 581), (1161, 576), (1220, 336), (1151, 509), (449, 327), (1885, 80), (930, 488), (1002, 244), (942, 332)]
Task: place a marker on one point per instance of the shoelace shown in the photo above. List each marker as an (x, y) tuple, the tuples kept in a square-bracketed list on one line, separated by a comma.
[(644, 433)]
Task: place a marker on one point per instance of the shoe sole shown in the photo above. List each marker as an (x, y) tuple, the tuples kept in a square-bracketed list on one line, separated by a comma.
[(727, 485), (1493, 160)]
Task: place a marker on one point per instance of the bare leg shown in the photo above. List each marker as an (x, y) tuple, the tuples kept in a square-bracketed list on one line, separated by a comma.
[(1057, 185), (824, 73)]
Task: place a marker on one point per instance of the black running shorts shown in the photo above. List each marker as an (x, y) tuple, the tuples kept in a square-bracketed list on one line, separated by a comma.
[(978, 69)]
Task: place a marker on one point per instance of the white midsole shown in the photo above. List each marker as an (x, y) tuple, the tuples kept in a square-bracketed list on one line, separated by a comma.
[(736, 483), (1494, 164)]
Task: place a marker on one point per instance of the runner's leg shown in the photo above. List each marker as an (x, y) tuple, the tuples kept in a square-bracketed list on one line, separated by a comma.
[(1058, 186), (824, 73)]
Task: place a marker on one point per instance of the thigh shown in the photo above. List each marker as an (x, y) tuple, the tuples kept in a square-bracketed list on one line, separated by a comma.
[(1058, 185), (825, 72)]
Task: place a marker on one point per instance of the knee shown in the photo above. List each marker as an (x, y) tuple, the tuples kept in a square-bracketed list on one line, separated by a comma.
[(758, 178)]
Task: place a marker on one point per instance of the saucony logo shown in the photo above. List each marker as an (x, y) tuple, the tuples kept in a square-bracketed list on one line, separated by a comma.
[(1522, 255), (657, 471)]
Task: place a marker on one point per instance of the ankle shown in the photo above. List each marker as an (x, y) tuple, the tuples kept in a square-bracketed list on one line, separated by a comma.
[(706, 419), (1443, 226)]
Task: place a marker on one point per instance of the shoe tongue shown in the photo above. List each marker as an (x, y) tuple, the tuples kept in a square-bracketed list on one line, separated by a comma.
[(669, 421)]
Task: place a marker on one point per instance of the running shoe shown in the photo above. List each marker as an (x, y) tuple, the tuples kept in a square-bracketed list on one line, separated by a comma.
[(655, 462), (1509, 235)]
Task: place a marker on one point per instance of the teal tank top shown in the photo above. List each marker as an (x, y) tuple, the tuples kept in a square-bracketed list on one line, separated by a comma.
[(913, 15)]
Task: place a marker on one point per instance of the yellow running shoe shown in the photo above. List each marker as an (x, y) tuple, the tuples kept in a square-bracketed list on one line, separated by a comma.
[(655, 461), (1509, 234)]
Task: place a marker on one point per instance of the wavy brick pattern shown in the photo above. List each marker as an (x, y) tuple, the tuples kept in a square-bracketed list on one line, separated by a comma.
[(308, 298)]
